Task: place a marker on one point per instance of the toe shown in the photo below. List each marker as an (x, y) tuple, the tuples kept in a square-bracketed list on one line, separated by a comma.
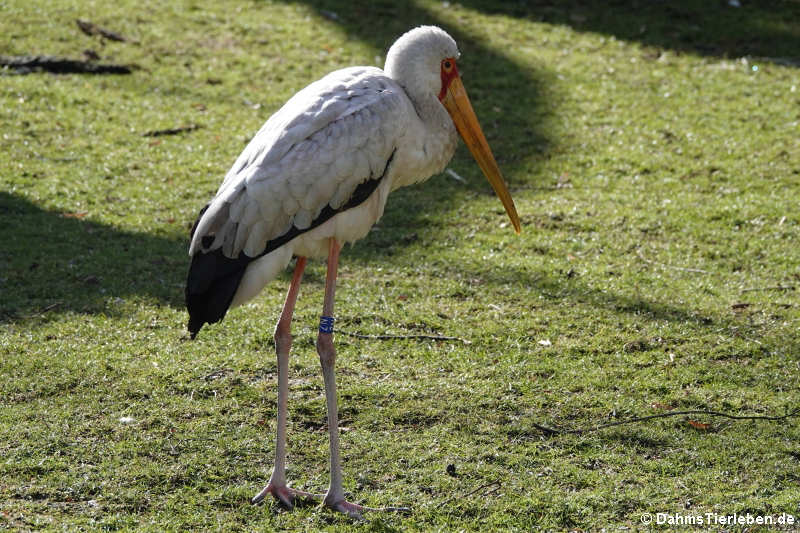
[(350, 509), (285, 496)]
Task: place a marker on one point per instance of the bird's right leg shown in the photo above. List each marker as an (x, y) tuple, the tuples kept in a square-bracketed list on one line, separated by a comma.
[(283, 342)]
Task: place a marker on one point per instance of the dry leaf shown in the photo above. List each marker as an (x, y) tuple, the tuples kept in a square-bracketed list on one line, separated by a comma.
[(699, 425)]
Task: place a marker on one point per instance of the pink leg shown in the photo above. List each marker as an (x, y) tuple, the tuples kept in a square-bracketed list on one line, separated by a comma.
[(283, 342), (334, 498)]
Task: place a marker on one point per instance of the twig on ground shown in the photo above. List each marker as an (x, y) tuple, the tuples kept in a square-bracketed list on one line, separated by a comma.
[(578, 431), (40, 312), (50, 307), (171, 131), (496, 484), (772, 288), (785, 61), (646, 260), (90, 28), (400, 337)]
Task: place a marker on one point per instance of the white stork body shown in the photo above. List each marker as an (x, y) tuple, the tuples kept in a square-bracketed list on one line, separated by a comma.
[(326, 140), (318, 174)]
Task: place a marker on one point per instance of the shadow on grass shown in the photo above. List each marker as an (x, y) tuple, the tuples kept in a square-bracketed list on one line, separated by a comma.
[(52, 261), (764, 29)]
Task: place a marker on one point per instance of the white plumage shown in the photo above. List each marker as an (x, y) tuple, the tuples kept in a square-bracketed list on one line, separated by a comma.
[(330, 137), (318, 174)]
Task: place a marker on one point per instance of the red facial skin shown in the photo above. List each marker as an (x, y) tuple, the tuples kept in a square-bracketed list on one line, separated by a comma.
[(449, 72)]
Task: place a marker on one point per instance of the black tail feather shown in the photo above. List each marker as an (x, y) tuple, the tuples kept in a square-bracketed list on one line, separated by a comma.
[(211, 284)]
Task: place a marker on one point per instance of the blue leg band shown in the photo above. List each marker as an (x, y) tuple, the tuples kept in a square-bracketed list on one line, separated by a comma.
[(326, 324)]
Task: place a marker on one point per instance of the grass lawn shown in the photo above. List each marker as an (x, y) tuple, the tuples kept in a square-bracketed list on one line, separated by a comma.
[(653, 150)]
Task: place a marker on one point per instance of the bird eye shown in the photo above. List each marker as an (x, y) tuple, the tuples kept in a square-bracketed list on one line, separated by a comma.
[(447, 64)]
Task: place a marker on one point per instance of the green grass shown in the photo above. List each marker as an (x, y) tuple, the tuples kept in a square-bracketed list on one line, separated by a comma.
[(657, 174)]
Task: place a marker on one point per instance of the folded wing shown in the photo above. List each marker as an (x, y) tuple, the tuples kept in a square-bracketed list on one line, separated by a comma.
[(310, 156)]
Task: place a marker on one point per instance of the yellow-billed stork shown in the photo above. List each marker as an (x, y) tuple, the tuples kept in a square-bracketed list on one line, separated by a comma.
[(318, 174)]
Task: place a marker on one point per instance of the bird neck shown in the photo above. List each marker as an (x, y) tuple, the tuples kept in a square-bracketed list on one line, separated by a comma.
[(442, 136), (434, 143)]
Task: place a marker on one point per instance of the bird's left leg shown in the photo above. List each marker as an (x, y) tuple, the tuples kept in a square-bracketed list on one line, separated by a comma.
[(334, 498), (283, 343)]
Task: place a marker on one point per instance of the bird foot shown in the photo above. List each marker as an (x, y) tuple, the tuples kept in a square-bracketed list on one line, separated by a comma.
[(353, 510), (285, 495)]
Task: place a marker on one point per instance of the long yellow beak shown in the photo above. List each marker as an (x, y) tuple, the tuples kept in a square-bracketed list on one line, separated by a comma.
[(458, 105)]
